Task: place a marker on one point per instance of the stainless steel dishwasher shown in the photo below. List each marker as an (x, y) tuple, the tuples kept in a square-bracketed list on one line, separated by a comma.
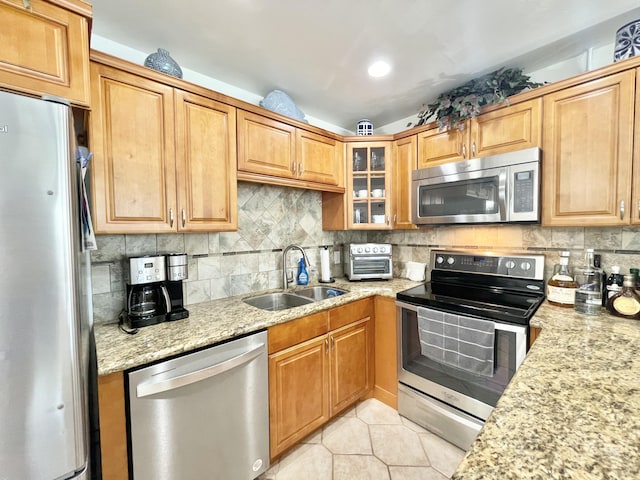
[(204, 415)]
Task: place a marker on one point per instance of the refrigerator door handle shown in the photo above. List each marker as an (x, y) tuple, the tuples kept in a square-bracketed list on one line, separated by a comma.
[(147, 389)]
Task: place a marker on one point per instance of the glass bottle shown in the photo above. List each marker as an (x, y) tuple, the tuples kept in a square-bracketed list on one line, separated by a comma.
[(561, 287), (613, 284), (589, 292), (636, 273), (625, 303)]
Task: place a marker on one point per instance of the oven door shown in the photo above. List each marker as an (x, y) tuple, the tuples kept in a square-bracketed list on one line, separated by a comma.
[(472, 393), (470, 197)]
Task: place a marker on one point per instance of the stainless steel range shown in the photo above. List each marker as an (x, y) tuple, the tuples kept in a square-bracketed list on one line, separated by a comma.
[(462, 336)]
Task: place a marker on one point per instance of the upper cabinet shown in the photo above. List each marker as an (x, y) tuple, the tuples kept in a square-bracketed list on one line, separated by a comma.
[(279, 153), (501, 130), (405, 152), (368, 185), (164, 158), (587, 153), (50, 55)]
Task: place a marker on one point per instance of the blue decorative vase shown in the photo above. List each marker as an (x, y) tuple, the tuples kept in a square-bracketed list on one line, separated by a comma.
[(162, 61), (627, 41)]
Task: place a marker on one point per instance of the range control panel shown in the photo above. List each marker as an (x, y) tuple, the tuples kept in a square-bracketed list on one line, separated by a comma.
[(506, 265)]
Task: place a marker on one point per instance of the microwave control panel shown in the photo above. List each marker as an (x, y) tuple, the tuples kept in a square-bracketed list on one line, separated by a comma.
[(523, 185)]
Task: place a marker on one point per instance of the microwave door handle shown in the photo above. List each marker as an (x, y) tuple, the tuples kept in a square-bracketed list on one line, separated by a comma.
[(502, 194)]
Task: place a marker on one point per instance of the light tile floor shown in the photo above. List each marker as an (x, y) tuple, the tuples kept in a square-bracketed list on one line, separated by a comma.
[(373, 442)]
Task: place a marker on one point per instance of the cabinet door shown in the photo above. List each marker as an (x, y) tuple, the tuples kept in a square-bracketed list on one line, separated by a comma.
[(133, 168), (587, 153), (436, 147), (298, 392), (45, 49), (369, 170), (404, 163), (506, 129), (317, 158), (351, 364), (206, 164), (634, 208), (265, 146), (386, 351)]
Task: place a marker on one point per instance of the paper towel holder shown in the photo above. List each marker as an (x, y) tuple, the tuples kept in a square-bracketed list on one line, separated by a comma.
[(331, 279)]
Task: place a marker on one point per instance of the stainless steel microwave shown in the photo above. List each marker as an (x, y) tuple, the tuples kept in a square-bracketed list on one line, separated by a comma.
[(502, 188)]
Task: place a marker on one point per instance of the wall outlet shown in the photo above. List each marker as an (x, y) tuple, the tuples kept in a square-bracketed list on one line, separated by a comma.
[(336, 257)]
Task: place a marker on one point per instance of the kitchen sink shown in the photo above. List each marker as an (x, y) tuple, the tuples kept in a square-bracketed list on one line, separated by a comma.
[(285, 300), (320, 292), (277, 301)]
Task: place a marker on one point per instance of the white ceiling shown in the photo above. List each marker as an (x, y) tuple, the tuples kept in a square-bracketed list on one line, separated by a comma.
[(318, 52)]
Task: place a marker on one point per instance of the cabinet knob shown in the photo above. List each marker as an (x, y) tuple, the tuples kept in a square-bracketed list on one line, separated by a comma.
[(621, 209), (184, 218), (294, 167), (326, 345), (171, 217), (464, 151), (473, 149), (639, 209), (300, 169)]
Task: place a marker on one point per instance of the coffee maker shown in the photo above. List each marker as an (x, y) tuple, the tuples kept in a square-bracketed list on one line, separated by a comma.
[(177, 271), (148, 300)]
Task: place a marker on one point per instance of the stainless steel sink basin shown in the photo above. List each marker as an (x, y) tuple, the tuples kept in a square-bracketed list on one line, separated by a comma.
[(320, 292), (277, 301)]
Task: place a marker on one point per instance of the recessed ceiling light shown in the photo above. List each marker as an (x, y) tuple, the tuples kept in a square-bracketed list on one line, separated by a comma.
[(379, 69)]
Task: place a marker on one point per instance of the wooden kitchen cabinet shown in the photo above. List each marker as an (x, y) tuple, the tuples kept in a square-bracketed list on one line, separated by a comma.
[(113, 427), (386, 351), (298, 393), (50, 55), (499, 130), (588, 153), (405, 152), (164, 159), (368, 190), (318, 366), (635, 187), (276, 152)]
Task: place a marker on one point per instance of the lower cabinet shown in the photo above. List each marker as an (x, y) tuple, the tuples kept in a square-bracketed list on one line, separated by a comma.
[(313, 379), (113, 427), (386, 351)]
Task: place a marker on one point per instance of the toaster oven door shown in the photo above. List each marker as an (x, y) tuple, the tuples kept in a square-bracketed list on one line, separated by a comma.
[(370, 267)]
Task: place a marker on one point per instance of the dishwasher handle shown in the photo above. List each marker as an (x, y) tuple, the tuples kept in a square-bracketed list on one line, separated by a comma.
[(147, 389)]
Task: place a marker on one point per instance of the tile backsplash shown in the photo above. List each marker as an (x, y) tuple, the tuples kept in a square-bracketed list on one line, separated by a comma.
[(270, 218)]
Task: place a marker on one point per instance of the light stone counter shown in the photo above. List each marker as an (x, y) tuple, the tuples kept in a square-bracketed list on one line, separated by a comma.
[(572, 411), (213, 322)]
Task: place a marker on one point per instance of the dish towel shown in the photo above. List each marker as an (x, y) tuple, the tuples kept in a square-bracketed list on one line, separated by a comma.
[(461, 342)]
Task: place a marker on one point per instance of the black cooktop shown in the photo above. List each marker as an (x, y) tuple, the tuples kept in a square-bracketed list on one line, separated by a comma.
[(490, 302)]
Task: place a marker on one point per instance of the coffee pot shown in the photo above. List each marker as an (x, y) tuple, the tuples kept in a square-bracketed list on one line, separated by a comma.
[(148, 300)]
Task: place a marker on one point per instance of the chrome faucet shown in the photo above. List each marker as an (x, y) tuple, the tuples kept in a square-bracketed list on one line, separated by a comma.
[(285, 280)]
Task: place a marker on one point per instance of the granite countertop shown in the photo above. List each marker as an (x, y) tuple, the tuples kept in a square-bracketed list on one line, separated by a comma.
[(572, 411), (216, 321)]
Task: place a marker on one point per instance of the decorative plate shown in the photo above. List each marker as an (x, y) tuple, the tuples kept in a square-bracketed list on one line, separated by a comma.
[(279, 102)]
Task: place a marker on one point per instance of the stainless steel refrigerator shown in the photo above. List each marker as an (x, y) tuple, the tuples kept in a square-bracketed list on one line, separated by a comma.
[(45, 292)]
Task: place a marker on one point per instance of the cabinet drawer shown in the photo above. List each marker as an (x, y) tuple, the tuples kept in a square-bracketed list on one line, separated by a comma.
[(291, 333), (341, 316)]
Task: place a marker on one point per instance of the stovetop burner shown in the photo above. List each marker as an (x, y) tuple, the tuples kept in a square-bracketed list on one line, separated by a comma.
[(507, 288)]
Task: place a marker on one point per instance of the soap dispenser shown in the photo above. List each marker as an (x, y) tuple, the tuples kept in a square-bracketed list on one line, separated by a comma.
[(303, 276)]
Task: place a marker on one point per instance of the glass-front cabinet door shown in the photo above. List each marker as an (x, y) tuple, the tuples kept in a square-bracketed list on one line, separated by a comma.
[(369, 181)]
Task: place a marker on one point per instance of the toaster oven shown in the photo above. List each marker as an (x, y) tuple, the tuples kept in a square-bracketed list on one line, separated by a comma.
[(368, 261)]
